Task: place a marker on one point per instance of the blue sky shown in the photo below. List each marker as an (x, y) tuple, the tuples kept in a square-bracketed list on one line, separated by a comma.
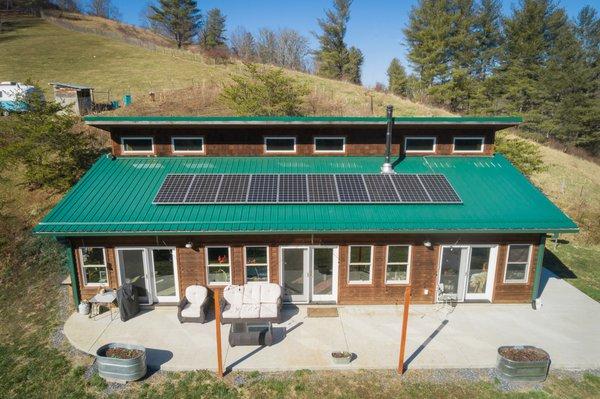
[(375, 25)]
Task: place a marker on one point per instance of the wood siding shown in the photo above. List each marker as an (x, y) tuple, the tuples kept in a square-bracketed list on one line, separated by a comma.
[(249, 141), (423, 268)]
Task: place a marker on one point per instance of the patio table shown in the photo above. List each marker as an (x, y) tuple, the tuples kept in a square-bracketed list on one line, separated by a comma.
[(107, 299)]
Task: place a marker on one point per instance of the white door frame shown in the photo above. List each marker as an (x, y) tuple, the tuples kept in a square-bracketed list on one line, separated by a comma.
[(334, 276), (305, 272), (308, 273), (462, 293), (149, 272), (157, 298)]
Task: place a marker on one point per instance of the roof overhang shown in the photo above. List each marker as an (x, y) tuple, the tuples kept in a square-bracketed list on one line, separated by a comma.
[(495, 123)]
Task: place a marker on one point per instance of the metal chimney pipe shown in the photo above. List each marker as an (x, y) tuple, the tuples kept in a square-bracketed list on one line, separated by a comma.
[(387, 165)]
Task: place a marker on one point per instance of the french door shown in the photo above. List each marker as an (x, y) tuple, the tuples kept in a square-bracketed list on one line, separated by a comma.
[(309, 273), (152, 270), (466, 273)]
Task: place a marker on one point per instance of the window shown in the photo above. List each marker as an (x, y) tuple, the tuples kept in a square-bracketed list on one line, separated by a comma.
[(188, 144), (330, 144), (359, 266), (218, 263), (517, 264), (397, 265), (93, 265), (419, 144), (257, 264), (139, 145), (280, 144), (468, 144)]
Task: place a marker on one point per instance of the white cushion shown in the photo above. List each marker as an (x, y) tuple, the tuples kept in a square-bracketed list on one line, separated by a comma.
[(268, 310), (191, 310), (232, 313), (270, 293), (196, 294), (250, 311), (233, 294), (252, 294)]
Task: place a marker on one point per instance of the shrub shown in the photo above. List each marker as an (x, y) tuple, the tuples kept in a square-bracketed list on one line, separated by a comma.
[(264, 91), (524, 154)]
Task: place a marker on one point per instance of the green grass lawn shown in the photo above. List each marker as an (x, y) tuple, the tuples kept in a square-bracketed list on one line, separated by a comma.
[(577, 265)]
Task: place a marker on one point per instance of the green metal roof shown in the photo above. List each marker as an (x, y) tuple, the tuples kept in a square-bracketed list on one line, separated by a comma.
[(115, 198), (503, 121)]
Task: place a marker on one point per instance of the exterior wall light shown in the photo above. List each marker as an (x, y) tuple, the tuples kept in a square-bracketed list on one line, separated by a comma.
[(189, 245), (427, 243)]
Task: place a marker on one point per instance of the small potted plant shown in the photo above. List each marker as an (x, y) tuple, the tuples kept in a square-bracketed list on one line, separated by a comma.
[(523, 363), (341, 357)]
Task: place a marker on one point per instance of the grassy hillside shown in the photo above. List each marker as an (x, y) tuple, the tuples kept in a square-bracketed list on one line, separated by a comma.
[(43, 51)]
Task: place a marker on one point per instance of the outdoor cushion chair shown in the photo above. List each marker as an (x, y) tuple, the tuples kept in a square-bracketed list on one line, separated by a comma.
[(252, 302), (193, 307)]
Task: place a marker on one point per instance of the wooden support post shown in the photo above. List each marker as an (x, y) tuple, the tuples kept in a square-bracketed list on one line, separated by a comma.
[(401, 369), (216, 295)]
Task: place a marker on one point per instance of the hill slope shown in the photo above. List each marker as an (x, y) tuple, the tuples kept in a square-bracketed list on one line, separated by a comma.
[(43, 51)]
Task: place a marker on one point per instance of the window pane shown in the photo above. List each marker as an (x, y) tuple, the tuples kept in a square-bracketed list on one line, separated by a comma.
[(518, 253), (329, 144), (256, 273), (95, 275), (218, 256), (164, 272), (256, 255), (359, 272), (468, 144), (188, 144), (137, 144), (516, 271), (282, 144), (92, 256), (396, 273), (218, 274), (398, 254), (419, 144), (361, 254)]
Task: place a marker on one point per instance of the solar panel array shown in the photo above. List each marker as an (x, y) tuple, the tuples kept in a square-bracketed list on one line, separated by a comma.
[(306, 188)]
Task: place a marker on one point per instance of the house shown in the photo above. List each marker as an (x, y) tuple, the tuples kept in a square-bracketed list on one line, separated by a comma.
[(76, 97), (320, 205)]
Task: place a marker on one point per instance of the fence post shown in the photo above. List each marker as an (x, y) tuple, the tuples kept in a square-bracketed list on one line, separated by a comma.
[(401, 368), (216, 296)]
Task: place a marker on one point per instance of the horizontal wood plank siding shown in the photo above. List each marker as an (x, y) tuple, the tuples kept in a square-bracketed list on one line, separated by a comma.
[(423, 268)]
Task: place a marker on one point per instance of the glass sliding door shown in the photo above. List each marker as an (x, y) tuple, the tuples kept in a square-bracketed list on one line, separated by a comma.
[(165, 274), (452, 269), (324, 273), (295, 274), (133, 268)]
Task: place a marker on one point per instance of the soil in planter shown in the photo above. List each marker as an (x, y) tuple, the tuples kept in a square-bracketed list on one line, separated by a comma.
[(339, 355), (122, 353), (523, 354)]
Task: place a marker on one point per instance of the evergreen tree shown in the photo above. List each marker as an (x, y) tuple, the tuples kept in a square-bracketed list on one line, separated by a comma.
[(334, 59), (213, 33), (352, 68), (397, 79), (181, 18), (488, 36)]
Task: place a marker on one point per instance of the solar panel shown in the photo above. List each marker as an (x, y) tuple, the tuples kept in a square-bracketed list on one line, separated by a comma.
[(292, 188), (322, 188), (410, 189), (263, 188), (381, 188), (173, 189), (439, 189), (351, 188), (203, 189), (234, 188), (302, 188)]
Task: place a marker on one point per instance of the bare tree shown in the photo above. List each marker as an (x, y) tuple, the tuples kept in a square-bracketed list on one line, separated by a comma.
[(242, 44), (103, 8), (285, 48), (266, 46), (68, 5)]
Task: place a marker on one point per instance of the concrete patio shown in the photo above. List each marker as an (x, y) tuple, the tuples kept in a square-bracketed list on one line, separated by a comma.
[(439, 336)]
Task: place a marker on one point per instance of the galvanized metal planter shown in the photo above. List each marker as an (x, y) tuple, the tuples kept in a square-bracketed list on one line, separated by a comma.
[(121, 370), (533, 371), (341, 357)]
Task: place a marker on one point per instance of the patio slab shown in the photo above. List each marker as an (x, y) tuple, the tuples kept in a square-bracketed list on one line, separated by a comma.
[(439, 336)]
